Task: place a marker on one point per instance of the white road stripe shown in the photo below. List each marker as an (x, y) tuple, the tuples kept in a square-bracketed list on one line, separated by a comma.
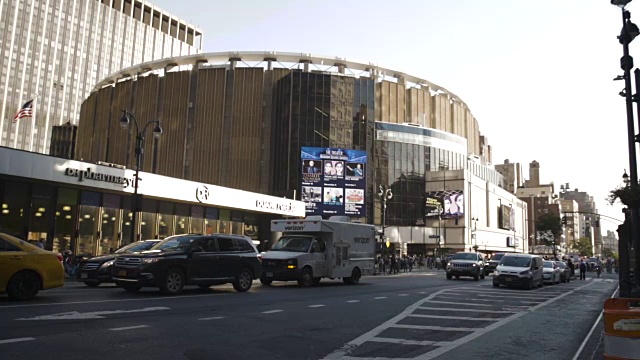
[(403, 294), (409, 342), (214, 318), (456, 303), (422, 292), (379, 297), (452, 317), (470, 310), (110, 301), (129, 327), (425, 327), (9, 341), (353, 301), (316, 306), (501, 294), (492, 301), (272, 311)]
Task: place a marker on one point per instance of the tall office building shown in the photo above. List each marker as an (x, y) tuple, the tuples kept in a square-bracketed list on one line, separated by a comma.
[(55, 51), (512, 175)]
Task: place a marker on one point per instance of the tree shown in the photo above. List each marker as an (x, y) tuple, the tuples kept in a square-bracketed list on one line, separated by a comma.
[(608, 253), (553, 224), (584, 247)]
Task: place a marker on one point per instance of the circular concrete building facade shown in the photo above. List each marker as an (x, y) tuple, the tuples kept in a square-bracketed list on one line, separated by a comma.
[(239, 119)]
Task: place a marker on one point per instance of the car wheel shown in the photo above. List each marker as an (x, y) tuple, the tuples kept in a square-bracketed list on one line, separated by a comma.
[(243, 281), (496, 285), (173, 282), (92, 283), (265, 280), (24, 286), (354, 278), (541, 282), (316, 281), (449, 276), (530, 284), (482, 274), (476, 277), (306, 278)]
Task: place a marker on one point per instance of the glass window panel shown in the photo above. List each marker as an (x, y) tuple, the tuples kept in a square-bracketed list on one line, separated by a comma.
[(110, 234), (197, 219), (14, 206), (182, 219), (90, 198), (88, 228), (148, 220), (40, 214)]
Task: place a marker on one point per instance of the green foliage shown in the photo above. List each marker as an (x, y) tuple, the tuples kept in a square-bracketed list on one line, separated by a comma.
[(583, 245), (551, 223), (627, 195)]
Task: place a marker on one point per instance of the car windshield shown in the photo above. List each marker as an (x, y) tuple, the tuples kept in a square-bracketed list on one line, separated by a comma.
[(497, 257), (560, 264), (136, 247), (174, 243), (465, 256), (293, 243), (516, 261), (548, 264)]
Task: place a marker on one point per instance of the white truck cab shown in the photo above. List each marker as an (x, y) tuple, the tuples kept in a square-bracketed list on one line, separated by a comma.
[(311, 249)]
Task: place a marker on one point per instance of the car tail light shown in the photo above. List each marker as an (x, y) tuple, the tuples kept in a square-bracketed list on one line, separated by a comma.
[(59, 256)]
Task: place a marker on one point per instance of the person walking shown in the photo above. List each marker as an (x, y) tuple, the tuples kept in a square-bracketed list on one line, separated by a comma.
[(583, 270)]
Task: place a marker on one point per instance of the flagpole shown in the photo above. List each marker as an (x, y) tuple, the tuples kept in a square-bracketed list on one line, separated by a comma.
[(33, 120)]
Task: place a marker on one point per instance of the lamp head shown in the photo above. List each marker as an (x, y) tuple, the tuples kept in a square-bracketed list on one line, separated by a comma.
[(157, 131), (124, 120), (625, 177), (620, 3)]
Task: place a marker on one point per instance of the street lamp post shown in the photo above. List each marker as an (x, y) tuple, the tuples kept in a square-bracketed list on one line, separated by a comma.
[(157, 132), (474, 233), (385, 194), (627, 34)]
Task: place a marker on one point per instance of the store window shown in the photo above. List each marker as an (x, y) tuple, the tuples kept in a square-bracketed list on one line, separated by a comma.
[(111, 219), (197, 219), (65, 220), (88, 223), (127, 219), (148, 220), (224, 225), (211, 221), (14, 205), (182, 219), (165, 219), (237, 223), (41, 215)]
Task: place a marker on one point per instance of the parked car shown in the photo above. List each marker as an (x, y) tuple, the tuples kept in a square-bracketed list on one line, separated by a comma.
[(180, 260), (519, 270), (565, 275), (26, 269), (493, 262), (97, 270), (466, 264), (551, 272)]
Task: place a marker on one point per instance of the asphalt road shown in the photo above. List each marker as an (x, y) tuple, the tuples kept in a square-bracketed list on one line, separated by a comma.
[(419, 315)]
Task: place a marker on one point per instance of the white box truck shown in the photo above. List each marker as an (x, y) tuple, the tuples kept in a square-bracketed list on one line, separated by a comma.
[(311, 249)]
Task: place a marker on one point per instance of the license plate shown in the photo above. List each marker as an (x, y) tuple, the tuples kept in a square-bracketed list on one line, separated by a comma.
[(269, 274), (84, 276), (122, 273), (508, 279)]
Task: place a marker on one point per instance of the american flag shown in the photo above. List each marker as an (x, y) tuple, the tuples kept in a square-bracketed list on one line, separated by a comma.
[(25, 111)]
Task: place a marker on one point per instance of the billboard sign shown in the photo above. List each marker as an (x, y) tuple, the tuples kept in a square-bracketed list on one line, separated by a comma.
[(451, 202), (507, 218), (333, 181)]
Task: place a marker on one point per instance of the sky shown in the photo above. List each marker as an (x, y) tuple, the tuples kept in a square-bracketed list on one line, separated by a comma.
[(537, 74)]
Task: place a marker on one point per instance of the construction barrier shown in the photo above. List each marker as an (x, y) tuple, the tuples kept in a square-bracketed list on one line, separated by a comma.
[(622, 329)]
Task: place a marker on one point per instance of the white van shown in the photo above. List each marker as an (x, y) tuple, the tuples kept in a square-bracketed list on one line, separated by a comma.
[(519, 270)]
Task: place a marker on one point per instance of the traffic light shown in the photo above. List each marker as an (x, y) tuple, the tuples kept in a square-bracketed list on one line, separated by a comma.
[(564, 220)]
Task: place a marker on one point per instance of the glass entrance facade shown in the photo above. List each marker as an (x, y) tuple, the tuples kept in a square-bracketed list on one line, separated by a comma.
[(91, 223)]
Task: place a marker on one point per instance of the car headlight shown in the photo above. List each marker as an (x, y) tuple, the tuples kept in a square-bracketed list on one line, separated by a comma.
[(496, 272), (149, 260), (526, 272), (106, 264), (474, 264), (292, 263)]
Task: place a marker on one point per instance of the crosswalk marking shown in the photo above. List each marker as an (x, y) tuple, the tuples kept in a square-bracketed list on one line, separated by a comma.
[(428, 327), (452, 317), (470, 310), (409, 342)]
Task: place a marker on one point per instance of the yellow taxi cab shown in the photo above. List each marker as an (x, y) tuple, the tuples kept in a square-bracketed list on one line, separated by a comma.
[(26, 269)]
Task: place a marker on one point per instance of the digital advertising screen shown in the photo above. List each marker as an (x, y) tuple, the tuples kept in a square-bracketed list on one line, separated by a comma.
[(333, 181), (507, 217), (450, 202)]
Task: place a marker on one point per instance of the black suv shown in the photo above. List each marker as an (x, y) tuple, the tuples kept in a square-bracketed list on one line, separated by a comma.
[(493, 262), (180, 260), (466, 264), (97, 270)]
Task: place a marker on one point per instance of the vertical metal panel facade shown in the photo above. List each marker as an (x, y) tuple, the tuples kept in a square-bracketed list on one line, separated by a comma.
[(171, 146)]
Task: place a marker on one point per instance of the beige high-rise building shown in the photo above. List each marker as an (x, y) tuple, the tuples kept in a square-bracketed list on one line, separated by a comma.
[(572, 227), (55, 51), (512, 173)]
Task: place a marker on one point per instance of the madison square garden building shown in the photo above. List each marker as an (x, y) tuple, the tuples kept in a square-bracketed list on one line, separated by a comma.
[(325, 130)]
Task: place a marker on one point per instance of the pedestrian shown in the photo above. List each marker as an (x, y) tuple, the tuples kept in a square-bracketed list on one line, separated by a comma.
[(583, 270), (572, 267)]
